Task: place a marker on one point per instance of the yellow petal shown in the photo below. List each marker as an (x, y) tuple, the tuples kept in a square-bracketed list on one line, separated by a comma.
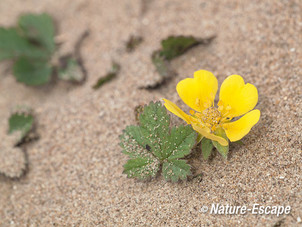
[(238, 129), (173, 108), (209, 135), (198, 92), (237, 98)]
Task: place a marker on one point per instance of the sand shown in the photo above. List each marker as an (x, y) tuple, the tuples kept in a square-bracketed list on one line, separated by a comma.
[(75, 168)]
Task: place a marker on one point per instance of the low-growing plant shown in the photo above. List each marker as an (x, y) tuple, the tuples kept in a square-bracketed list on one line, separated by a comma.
[(31, 46), (153, 146)]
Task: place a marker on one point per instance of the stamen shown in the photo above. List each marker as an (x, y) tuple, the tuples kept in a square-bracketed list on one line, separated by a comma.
[(197, 102), (211, 117)]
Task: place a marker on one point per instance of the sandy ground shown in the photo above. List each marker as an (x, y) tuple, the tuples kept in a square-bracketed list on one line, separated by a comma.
[(75, 169)]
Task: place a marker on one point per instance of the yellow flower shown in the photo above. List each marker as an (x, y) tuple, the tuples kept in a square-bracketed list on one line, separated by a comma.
[(236, 99)]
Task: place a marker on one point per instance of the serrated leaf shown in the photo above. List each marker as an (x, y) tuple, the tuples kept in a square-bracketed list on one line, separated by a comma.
[(133, 143), (31, 72), (223, 150), (151, 144), (72, 71), (142, 163), (38, 28), (22, 122), (154, 122), (180, 142), (141, 168), (176, 169), (206, 148), (12, 45)]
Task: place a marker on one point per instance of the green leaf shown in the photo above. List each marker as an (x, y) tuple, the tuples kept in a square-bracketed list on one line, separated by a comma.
[(12, 45), (223, 150), (39, 28), (31, 72), (180, 142), (206, 148), (154, 122), (239, 142), (176, 169), (72, 71), (142, 164), (141, 168), (174, 46), (151, 143), (21, 121), (115, 68)]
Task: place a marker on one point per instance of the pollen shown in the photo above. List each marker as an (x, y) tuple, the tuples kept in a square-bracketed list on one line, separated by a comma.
[(211, 117)]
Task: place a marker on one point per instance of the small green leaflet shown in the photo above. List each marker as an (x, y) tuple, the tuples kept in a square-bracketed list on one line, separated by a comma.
[(176, 169), (206, 148), (39, 29), (32, 72), (152, 144), (12, 46), (239, 142), (21, 121), (142, 163)]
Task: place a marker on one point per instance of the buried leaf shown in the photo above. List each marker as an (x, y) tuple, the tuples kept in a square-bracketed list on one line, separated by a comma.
[(72, 71), (133, 42), (12, 161), (172, 47), (115, 68), (21, 122), (175, 46), (163, 68), (152, 144), (161, 64)]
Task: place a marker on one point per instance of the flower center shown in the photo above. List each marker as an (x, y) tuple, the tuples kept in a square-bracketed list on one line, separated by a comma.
[(211, 117)]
